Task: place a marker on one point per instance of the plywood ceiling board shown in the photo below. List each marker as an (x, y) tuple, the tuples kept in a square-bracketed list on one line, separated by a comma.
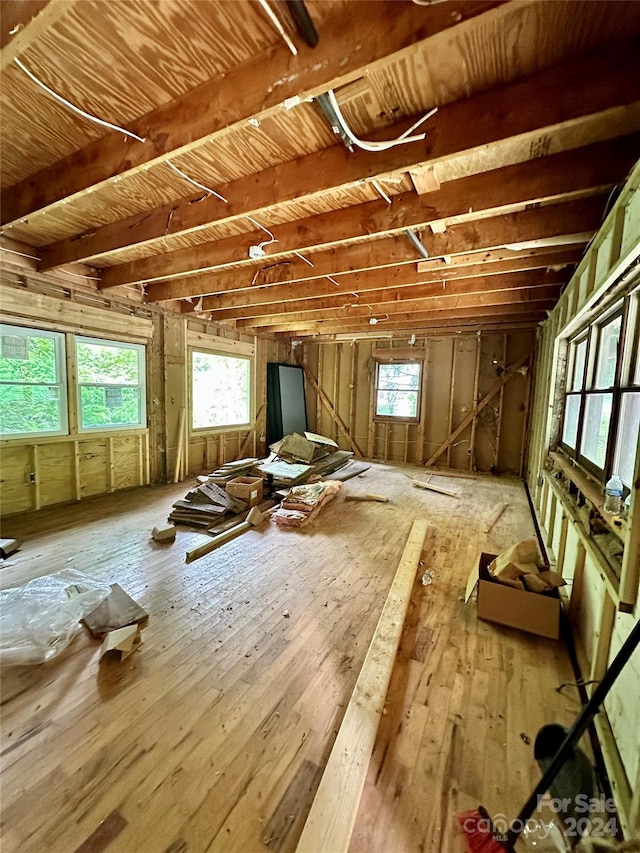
[(382, 29), (119, 61)]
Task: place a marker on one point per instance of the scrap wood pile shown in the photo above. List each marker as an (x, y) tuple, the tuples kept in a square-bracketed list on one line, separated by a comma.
[(205, 505), (521, 567), (303, 503)]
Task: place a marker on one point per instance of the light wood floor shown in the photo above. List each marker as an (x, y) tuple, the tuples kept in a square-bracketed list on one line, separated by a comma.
[(213, 736)]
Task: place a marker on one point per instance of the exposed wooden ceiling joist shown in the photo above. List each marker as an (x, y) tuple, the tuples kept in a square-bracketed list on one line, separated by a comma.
[(414, 320), (349, 43), (560, 176), (559, 224), (512, 123), (423, 288), (390, 310)]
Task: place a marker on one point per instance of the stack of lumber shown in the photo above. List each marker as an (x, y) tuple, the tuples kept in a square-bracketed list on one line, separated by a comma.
[(285, 473), (205, 506), (303, 503), (307, 448), (226, 472)]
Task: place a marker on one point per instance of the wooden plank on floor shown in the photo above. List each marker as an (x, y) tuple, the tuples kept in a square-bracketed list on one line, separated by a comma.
[(333, 813)]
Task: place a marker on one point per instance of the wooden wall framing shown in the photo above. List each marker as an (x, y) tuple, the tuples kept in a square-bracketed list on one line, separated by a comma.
[(458, 372), (602, 604), (44, 471)]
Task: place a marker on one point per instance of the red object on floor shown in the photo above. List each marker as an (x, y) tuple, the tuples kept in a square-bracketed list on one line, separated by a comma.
[(478, 834)]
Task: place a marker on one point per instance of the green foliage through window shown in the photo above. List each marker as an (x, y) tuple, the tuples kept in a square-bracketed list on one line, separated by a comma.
[(32, 382), (111, 384), (220, 390), (397, 391)]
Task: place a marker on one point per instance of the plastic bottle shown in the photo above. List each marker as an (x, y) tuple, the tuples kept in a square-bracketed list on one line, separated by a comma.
[(627, 506), (613, 495)]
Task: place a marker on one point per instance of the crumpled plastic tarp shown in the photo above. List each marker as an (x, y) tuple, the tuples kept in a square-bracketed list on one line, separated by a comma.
[(39, 619)]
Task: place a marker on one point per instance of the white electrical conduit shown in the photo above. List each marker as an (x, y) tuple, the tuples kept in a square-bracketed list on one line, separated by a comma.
[(73, 107), (195, 183), (276, 23), (380, 191), (377, 146), (36, 258)]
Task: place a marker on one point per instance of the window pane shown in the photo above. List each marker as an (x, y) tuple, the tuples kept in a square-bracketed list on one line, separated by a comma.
[(27, 358), (221, 390), (110, 406), (571, 412), (580, 354), (608, 354), (628, 429), (397, 404), (29, 409), (399, 376), (595, 431), (636, 373), (106, 364)]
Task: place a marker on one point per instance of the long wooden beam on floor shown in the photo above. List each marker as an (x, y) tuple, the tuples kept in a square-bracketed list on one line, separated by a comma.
[(333, 813), (556, 176), (566, 223)]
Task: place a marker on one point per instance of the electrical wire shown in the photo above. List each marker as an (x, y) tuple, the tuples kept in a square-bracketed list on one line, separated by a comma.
[(302, 258), (276, 23), (195, 183), (375, 146), (22, 254), (380, 191), (73, 107)]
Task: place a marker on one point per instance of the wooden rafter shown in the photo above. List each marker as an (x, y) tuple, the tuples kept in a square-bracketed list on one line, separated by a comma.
[(561, 224), (349, 43), (559, 176), (534, 273)]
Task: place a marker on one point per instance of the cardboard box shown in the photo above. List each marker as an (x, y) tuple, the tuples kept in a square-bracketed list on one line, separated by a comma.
[(528, 611), (247, 489)]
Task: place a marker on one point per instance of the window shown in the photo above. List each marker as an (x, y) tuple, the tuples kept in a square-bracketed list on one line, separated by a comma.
[(220, 390), (111, 384), (398, 390), (32, 382), (602, 398)]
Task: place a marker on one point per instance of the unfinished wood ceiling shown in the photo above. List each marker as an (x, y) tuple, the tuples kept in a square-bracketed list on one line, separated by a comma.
[(538, 121)]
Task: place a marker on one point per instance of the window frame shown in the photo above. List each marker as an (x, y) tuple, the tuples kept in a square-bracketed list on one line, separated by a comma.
[(140, 349), (220, 352), (628, 349), (59, 339), (398, 418)]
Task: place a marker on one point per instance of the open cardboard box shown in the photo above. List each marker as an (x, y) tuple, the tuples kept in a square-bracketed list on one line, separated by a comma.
[(247, 489), (529, 611)]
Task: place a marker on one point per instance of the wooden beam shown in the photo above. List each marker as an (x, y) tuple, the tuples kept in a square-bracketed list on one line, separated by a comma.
[(470, 319), (506, 376), (425, 286), (333, 813), (454, 278), (555, 176), (565, 223), (471, 299), (22, 24), (340, 424), (349, 43), (400, 331), (571, 105)]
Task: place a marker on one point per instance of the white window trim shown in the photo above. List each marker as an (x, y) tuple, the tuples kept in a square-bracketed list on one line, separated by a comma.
[(61, 371), (140, 349), (224, 353)]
